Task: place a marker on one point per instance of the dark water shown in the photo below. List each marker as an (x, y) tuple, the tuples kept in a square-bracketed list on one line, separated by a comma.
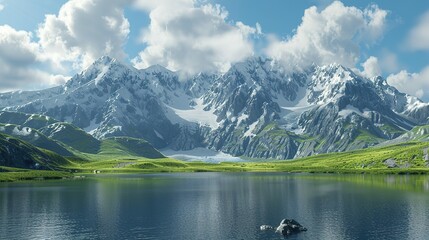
[(216, 206)]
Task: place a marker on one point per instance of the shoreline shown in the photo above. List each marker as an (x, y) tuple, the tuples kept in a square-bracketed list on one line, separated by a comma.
[(176, 166)]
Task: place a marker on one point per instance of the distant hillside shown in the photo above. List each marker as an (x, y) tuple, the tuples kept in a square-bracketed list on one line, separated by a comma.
[(28, 137), (72, 136), (44, 131), (129, 146), (35, 121), (418, 133), (34, 137), (20, 154)]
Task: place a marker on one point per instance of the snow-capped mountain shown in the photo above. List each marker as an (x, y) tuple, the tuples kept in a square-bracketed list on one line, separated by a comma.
[(255, 109)]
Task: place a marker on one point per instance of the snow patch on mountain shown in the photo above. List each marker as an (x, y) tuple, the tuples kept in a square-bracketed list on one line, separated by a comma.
[(24, 131), (195, 114), (104, 70), (158, 135), (349, 109), (249, 132), (414, 103), (201, 154)]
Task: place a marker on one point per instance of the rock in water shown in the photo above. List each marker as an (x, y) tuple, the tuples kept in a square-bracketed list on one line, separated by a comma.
[(290, 226), (266, 227)]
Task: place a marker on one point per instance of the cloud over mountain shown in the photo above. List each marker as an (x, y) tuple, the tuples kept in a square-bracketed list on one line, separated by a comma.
[(20, 61), (85, 30), (334, 34), (415, 83), (192, 37), (412, 83), (371, 67)]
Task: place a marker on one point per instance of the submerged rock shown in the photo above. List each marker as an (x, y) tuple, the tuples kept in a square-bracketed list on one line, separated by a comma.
[(290, 226), (286, 227)]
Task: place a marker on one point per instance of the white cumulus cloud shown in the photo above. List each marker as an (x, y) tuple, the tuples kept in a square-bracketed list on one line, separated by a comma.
[(1, 7), (371, 67), (83, 31), (192, 37), (418, 38), (151, 5), (20, 65), (334, 34), (416, 84)]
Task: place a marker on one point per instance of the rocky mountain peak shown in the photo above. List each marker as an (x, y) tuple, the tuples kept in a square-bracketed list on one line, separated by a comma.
[(379, 81), (102, 68)]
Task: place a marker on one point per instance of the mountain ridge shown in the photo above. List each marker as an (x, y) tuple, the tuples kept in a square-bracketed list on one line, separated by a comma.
[(254, 110)]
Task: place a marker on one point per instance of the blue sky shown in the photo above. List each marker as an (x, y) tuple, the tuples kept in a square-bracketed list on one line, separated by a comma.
[(394, 54)]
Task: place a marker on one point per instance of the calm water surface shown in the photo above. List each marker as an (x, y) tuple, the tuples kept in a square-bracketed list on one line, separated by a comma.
[(216, 206)]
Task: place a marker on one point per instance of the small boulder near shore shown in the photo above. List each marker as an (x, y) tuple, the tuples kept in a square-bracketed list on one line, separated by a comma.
[(287, 227)]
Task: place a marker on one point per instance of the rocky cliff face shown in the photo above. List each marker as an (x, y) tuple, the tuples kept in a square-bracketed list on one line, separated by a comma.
[(255, 109)]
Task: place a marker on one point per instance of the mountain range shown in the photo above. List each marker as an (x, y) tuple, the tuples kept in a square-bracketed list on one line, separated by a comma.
[(255, 110)]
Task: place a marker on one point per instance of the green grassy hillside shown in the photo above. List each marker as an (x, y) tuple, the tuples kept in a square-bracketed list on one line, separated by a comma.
[(72, 136), (17, 153), (126, 146), (406, 157), (20, 160), (34, 137), (403, 158)]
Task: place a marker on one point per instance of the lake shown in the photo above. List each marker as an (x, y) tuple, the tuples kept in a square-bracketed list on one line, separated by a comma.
[(216, 206)]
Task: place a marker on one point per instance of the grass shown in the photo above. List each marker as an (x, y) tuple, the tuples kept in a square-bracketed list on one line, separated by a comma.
[(371, 160), (367, 137), (365, 161), (128, 146), (419, 133), (17, 174), (391, 129), (72, 136)]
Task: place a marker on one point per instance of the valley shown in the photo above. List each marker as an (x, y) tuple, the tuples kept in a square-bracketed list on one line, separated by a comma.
[(408, 158), (112, 118)]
